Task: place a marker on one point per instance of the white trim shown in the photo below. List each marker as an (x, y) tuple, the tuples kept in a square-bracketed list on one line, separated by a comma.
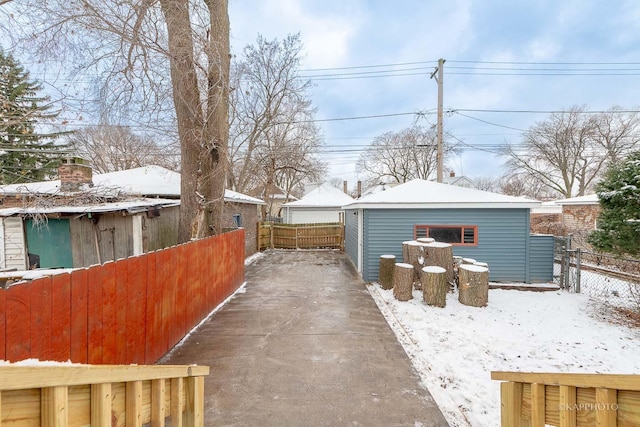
[(138, 248)]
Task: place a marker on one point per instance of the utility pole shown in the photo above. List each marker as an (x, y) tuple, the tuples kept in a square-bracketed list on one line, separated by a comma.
[(438, 77)]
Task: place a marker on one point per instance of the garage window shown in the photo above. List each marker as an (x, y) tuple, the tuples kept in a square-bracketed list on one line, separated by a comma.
[(457, 235)]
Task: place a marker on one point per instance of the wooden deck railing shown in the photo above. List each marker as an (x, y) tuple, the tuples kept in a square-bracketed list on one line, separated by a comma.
[(102, 395), (568, 400)]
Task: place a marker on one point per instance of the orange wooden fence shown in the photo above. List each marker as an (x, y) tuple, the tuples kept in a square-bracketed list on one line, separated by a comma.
[(131, 311)]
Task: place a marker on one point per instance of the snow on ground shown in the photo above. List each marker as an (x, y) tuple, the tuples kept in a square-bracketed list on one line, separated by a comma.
[(455, 348)]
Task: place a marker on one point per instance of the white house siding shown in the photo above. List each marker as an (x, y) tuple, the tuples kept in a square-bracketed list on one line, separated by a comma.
[(312, 215), (13, 243)]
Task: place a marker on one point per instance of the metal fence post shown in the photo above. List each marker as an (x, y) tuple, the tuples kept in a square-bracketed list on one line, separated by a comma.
[(567, 262), (578, 251)]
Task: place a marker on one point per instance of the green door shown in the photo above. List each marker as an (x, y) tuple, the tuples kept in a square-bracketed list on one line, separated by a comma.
[(50, 242)]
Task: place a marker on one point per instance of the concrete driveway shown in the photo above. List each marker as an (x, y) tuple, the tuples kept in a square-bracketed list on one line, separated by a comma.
[(305, 345)]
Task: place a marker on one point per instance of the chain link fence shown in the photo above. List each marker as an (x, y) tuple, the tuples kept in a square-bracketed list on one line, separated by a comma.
[(610, 279)]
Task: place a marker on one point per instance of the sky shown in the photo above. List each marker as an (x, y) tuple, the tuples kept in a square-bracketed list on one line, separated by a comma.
[(523, 59)]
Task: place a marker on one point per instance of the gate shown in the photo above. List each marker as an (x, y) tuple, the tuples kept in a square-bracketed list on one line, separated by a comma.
[(301, 236), (567, 264)]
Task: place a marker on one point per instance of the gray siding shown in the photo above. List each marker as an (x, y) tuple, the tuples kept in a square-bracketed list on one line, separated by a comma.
[(351, 235), (503, 237), (541, 258)]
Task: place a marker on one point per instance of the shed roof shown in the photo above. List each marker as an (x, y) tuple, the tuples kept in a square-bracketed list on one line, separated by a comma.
[(325, 196), (422, 194), (130, 206), (154, 181)]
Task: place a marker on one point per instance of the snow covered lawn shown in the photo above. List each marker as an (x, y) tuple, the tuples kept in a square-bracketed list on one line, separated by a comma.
[(455, 348)]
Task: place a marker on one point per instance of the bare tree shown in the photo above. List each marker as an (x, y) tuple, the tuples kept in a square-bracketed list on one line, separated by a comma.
[(112, 148), (618, 133), (401, 156), (567, 153), (159, 61), (524, 185), (486, 183), (273, 138)]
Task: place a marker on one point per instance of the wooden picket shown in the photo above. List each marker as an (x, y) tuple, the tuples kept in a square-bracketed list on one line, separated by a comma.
[(129, 311), (300, 236)]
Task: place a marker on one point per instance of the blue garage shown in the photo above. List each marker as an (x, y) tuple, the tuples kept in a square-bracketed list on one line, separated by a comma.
[(489, 227)]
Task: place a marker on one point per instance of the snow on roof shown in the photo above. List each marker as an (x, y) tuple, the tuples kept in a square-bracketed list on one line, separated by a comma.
[(589, 199), (131, 206), (233, 196), (547, 208), (422, 194), (143, 181), (323, 196)]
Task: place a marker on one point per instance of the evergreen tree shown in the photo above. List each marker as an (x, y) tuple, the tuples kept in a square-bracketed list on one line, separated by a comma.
[(619, 220), (25, 154)]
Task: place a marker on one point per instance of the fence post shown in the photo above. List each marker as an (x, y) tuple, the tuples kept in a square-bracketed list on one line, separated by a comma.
[(578, 252), (567, 262)]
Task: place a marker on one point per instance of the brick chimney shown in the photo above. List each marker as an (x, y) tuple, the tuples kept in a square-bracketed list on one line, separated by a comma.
[(73, 175), (344, 187), (452, 174)]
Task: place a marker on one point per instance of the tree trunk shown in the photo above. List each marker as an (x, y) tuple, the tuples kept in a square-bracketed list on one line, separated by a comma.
[(387, 265), (473, 288), (434, 285), (441, 255), (403, 281), (216, 141), (405, 251), (416, 256), (186, 100), (203, 137)]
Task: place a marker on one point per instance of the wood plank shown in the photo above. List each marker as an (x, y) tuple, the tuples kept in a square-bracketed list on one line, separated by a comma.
[(21, 408), (181, 285), (606, 407), (109, 311), (153, 327), (18, 321), (537, 405), (194, 402), (95, 301), (22, 377), (567, 406), (41, 319), (55, 407), (177, 391), (133, 404), (511, 404), (61, 317), (3, 325), (613, 381), (122, 307), (157, 403), (79, 316), (101, 404), (136, 291), (164, 273), (80, 405)]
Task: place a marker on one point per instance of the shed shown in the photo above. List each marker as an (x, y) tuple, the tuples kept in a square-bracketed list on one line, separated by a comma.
[(488, 227), (84, 219), (323, 204)]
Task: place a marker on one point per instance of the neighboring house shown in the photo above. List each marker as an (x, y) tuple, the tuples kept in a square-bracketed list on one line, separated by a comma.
[(85, 219), (488, 227), (547, 219), (580, 216), (323, 204), (274, 201), (459, 181)]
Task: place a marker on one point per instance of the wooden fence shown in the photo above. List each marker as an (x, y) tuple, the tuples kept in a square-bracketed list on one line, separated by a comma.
[(103, 395), (300, 236), (124, 312), (568, 400)]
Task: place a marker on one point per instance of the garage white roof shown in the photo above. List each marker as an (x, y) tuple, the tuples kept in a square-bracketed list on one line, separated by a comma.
[(422, 194), (325, 196)]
